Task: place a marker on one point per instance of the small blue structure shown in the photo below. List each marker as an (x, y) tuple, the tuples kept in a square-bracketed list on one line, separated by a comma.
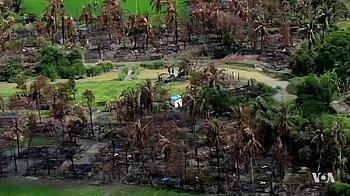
[(171, 182), (176, 101)]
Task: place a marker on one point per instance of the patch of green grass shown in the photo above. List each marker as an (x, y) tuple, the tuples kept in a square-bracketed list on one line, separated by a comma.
[(74, 7), (43, 141), (32, 189), (345, 25), (104, 90), (244, 66), (7, 91)]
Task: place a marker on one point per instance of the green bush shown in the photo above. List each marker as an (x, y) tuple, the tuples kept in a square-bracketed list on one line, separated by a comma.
[(99, 69), (9, 72), (155, 65), (338, 189), (123, 73), (58, 63)]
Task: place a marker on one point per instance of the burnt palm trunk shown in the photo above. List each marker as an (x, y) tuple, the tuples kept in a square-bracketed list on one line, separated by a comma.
[(15, 160), (261, 41), (72, 161), (218, 163), (17, 139), (176, 32), (63, 25), (252, 173), (135, 39), (91, 123)]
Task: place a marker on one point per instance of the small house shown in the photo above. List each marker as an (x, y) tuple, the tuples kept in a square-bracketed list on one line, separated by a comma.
[(176, 101)]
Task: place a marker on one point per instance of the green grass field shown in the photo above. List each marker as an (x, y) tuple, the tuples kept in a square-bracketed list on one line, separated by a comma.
[(74, 7), (344, 25), (106, 86), (34, 189)]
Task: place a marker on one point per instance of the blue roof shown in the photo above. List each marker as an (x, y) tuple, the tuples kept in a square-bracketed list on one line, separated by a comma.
[(176, 97), (165, 179)]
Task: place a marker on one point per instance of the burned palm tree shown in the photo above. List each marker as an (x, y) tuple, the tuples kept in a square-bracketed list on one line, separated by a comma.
[(39, 90), (146, 97), (139, 133), (214, 76), (195, 109), (6, 29), (212, 130), (53, 9), (111, 17), (138, 23), (131, 104), (88, 14), (252, 149), (171, 17), (261, 27)]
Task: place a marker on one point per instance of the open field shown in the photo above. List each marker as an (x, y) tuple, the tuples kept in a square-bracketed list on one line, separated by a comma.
[(35, 189), (106, 86), (344, 25), (74, 7)]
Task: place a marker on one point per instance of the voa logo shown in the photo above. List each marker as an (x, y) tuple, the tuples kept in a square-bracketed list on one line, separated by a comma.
[(323, 177)]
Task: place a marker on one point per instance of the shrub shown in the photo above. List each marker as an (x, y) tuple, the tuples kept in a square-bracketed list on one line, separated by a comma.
[(99, 69), (9, 72), (155, 65), (123, 73), (338, 189), (57, 63)]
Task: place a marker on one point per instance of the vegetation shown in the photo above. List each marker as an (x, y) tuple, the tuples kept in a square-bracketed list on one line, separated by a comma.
[(227, 134)]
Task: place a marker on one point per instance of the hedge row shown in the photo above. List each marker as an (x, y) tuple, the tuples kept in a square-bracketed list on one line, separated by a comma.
[(99, 69)]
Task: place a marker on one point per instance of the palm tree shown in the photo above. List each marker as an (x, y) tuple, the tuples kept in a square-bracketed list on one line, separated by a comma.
[(324, 14), (166, 147), (89, 97), (214, 76), (17, 132), (146, 97), (171, 17), (319, 139), (261, 26), (53, 8), (311, 31), (139, 133), (252, 148), (212, 130), (87, 14), (40, 89), (195, 108), (339, 138)]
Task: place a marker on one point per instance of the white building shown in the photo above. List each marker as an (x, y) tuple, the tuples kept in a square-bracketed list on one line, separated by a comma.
[(176, 101)]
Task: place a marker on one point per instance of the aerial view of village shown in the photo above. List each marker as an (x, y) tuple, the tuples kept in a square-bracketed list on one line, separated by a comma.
[(174, 97)]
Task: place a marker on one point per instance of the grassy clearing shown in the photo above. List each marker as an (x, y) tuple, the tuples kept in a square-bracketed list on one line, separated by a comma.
[(43, 141), (74, 7), (345, 25), (31, 189), (107, 86)]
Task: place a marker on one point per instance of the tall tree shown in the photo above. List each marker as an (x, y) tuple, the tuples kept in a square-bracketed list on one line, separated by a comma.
[(89, 97), (171, 17), (40, 90)]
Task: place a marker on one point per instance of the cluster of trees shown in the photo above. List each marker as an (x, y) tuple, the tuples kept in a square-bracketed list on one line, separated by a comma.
[(331, 54), (58, 63)]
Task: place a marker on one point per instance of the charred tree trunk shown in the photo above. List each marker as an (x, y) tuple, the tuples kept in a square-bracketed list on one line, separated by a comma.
[(91, 123), (218, 163), (17, 139), (15, 161), (63, 30), (176, 32)]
